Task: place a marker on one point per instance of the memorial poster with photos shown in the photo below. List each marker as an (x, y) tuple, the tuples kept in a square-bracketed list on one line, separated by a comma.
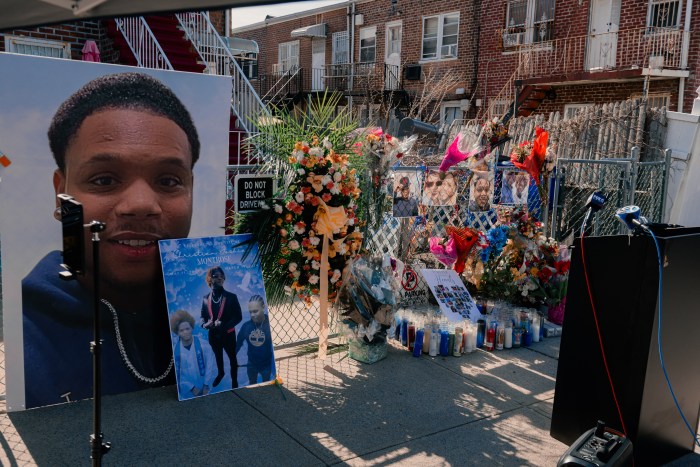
[(456, 304), (192, 270), (405, 192), (481, 191), (515, 187)]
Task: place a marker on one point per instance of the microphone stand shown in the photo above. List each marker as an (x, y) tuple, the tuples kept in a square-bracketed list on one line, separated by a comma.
[(97, 447)]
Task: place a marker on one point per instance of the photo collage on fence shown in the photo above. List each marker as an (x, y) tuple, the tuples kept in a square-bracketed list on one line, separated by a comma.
[(414, 189)]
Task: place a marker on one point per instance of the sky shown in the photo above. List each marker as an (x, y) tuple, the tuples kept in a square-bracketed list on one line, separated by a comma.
[(244, 16)]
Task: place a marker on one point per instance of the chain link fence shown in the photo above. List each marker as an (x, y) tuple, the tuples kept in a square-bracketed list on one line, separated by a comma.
[(405, 236)]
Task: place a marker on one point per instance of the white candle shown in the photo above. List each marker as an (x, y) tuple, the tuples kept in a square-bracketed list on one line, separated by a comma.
[(535, 329), (469, 339), (509, 337)]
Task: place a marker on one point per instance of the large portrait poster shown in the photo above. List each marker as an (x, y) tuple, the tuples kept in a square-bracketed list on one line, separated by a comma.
[(217, 313), (51, 354)]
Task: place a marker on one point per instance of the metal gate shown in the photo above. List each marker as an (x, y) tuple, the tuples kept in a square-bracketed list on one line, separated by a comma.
[(623, 181)]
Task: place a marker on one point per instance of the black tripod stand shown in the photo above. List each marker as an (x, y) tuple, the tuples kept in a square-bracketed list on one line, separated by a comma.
[(71, 217), (98, 447)]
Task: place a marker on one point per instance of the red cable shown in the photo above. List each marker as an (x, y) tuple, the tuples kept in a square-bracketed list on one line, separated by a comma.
[(600, 337)]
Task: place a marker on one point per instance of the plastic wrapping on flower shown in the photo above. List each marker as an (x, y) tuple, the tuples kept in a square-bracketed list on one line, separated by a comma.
[(366, 301), (444, 250), (456, 153)]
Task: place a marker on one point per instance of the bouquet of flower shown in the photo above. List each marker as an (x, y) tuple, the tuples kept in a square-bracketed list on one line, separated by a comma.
[(366, 300), (494, 131), (320, 201), (518, 262), (381, 152)]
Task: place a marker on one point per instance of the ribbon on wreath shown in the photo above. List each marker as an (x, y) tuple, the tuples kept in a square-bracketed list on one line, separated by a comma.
[(329, 221)]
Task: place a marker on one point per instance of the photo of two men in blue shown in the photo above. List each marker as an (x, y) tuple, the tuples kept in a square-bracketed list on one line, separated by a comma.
[(218, 314)]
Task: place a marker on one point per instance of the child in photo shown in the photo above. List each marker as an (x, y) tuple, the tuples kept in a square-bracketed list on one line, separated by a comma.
[(258, 339)]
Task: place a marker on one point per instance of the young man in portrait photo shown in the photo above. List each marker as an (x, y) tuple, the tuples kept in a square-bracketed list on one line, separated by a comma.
[(520, 188), (481, 192), (220, 314), (440, 189), (125, 147), (405, 203)]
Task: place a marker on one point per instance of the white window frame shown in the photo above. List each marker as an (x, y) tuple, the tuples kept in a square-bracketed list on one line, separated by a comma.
[(571, 110), (341, 48), (368, 42), (387, 44), (499, 107), (459, 115), (453, 48), (286, 59), (528, 32), (650, 13), (19, 45)]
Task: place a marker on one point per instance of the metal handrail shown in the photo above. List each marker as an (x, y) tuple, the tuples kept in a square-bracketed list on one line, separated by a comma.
[(649, 47), (285, 77), (507, 93), (143, 44), (213, 51)]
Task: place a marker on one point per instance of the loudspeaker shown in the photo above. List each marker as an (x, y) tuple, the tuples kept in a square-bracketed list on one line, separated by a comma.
[(623, 274)]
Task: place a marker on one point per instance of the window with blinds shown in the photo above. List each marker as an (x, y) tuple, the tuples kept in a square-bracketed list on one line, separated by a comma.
[(39, 47)]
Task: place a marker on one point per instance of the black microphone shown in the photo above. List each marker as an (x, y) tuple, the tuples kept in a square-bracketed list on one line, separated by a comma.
[(596, 201), (594, 204)]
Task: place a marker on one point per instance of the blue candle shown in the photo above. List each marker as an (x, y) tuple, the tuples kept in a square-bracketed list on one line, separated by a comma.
[(404, 331), (481, 329), (444, 342), (418, 346), (527, 338), (397, 328)]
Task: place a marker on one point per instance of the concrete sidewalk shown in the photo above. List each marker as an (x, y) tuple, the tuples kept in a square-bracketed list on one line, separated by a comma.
[(481, 408)]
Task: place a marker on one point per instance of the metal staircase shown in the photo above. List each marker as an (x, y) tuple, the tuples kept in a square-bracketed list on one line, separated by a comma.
[(189, 42)]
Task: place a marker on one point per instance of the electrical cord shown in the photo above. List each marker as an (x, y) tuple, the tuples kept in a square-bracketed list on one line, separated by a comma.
[(597, 326), (658, 337)]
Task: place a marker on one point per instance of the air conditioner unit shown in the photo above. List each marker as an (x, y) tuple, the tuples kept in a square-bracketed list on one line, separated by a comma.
[(413, 72), (449, 51), (511, 40)]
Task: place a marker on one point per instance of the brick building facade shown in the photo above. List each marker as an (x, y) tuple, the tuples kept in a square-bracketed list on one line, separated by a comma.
[(545, 55)]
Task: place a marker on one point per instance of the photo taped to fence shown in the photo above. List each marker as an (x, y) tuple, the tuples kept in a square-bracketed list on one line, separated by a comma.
[(440, 188), (514, 187), (481, 192), (406, 192)]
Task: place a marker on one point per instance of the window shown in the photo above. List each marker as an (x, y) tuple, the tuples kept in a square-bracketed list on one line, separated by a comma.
[(288, 56), (249, 65), (341, 48), (393, 38), (450, 112), (571, 110), (39, 47), (528, 21), (655, 100), (368, 44), (440, 36), (664, 14), (498, 108)]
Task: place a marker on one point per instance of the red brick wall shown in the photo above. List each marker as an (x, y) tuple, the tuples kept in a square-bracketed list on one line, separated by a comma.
[(378, 13), (602, 93), (75, 33)]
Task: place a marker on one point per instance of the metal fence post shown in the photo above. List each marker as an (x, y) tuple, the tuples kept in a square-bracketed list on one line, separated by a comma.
[(664, 184), (635, 171)]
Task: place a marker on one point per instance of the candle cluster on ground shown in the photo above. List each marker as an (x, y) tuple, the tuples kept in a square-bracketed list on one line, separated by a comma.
[(503, 327)]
